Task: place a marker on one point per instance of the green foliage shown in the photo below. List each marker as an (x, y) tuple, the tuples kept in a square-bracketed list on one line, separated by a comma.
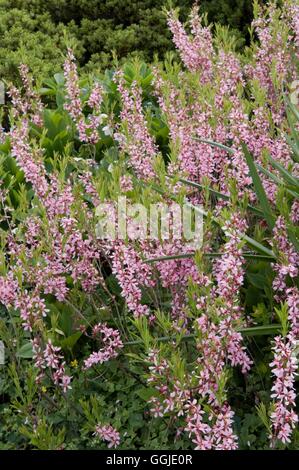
[(36, 32), (30, 38), (235, 13)]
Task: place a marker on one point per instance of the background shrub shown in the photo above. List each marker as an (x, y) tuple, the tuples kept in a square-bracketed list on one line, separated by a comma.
[(33, 32)]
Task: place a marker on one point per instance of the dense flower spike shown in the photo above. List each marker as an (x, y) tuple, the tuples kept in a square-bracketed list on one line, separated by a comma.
[(285, 364), (111, 343), (135, 140), (284, 367), (87, 128), (30, 104), (30, 161), (200, 432), (223, 435), (196, 52), (132, 274), (288, 257)]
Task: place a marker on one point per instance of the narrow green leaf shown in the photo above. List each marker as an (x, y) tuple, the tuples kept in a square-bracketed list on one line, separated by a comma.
[(70, 341), (217, 194), (287, 176), (294, 147), (258, 247), (259, 189), (250, 256), (293, 109), (277, 180), (215, 144), (293, 238), (261, 330), (250, 241)]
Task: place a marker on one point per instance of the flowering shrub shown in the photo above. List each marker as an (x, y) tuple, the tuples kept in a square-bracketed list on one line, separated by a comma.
[(104, 335)]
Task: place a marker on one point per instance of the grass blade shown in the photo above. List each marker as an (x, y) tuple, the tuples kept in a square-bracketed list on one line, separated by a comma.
[(261, 330), (249, 256), (215, 144), (277, 180), (217, 194), (259, 189), (284, 173)]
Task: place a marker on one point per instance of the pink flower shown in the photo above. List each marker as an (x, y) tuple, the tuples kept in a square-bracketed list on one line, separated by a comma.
[(136, 141), (223, 435), (284, 369), (109, 434), (131, 274), (87, 128), (197, 51), (111, 344)]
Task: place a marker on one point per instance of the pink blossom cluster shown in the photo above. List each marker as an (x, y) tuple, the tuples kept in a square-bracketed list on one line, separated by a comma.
[(135, 139), (30, 161), (49, 358), (285, 364), (173, 393), (229, 274), (132, 274), (197, 429), (189, 117), (176, 274), (273, 57), (212, 431), (206, 436), (54, 248), (68, 250), (126, 183), (30, 104), (86, 180), (109, 434), (293, 309), (8, 290), (218, 342), (284, 368), (87, 129), (186, 124), (32, 309), (111, 341), (196, 52)]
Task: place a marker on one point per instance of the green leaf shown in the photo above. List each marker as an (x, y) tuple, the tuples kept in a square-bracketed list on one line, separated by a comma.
[(251, 256), (25, 351), (216, 144), (293, 238), (261, 330), (259, 189), (250, 241), (146, 393), (287, 176), (256, 279), (294, 147), (70, 341), (217, 194), (136, 420), (59, 78), (259, 247), (293, 109), (277, 181)]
